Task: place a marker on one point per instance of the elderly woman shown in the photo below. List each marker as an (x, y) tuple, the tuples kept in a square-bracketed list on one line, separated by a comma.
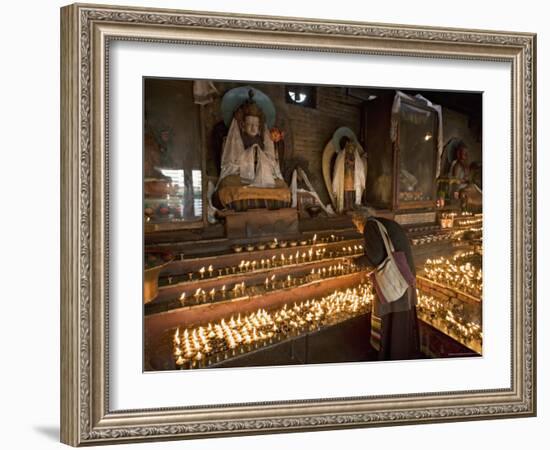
[(394, 327)]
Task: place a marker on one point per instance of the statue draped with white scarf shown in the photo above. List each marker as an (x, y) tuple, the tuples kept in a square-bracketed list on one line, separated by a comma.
[(347, 180), (250, 175), (249, 152)]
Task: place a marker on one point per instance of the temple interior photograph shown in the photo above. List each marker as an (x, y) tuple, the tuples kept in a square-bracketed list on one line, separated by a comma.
[(290, 224)]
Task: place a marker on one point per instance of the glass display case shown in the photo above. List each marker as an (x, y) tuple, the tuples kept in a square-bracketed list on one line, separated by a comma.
[(416, 152), (401, 135), (176, 196), (173, 156)]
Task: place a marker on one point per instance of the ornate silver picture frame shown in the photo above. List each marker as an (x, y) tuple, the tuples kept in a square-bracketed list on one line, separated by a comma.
[(87, 33)]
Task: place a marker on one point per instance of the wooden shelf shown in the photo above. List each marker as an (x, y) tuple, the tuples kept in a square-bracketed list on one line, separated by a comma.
[(208, 282), (221, 260), (156, 323), (169, 298)]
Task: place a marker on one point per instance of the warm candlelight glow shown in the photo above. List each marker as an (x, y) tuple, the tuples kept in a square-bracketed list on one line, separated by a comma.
[(462, 272), (438, 315), (262, 327)]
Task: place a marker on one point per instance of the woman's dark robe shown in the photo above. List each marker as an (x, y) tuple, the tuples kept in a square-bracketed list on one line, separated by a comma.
[(398, 331)]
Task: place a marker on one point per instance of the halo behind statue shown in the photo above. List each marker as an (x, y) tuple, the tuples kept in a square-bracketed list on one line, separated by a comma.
[(449, 154), (450, 148), (237, 96), (339, 134), (331, 149)]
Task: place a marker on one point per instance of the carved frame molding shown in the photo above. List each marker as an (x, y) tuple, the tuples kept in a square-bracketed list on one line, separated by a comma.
[(86, 33)]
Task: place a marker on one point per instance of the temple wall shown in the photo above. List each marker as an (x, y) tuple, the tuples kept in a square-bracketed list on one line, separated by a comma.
[(307, 130)]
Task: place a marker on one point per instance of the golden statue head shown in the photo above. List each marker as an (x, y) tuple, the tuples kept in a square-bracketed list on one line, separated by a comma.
[(250, 116)]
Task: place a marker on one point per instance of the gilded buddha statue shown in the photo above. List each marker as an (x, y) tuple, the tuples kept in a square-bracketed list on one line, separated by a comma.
[(250, 174)]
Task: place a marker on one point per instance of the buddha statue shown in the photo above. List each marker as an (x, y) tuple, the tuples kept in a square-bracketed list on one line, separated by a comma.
[(347, 179), (250, 173), (460, 168)]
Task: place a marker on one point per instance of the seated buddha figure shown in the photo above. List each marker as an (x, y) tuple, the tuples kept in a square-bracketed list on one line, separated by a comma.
[(250, 175)]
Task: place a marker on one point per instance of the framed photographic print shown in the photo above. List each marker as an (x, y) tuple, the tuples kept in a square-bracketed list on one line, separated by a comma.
[(278, 224)]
